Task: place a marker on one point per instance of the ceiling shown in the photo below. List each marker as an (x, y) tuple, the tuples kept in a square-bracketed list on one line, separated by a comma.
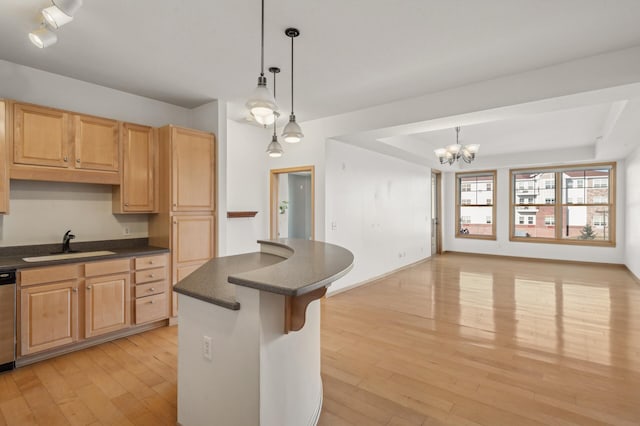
[(350, 54)]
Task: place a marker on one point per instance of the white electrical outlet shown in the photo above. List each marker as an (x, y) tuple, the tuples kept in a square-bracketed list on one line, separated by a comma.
[(126, 231), (206, 348)]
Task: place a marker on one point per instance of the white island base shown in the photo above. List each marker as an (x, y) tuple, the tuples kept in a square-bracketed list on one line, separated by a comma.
[(257, 375)]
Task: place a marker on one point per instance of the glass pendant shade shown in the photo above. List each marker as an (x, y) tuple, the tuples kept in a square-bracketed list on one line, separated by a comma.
[(43, 37), (454, 149), (440, 152), (473, 148), (262, 104), (292, 133), (275, 149)]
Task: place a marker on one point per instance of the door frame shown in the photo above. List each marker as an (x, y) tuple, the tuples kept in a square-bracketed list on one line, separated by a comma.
[(438, 175), (273, 198)]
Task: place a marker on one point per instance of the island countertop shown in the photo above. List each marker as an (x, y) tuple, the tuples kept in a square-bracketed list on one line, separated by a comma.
[(289, 267)]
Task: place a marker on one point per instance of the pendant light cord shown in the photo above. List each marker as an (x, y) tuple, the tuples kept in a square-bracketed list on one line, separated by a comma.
[(275, 122), (262, 43), (292, 76)]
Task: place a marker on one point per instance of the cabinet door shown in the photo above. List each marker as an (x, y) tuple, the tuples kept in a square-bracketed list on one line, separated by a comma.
[(96, 143), (4, 175), (40, 136), (182, 272), (139, 169), (49, 316), (192, 173), (192, 239), (107, 304)]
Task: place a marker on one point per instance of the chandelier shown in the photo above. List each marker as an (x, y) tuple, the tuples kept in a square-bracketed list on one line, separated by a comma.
[(451, 153)]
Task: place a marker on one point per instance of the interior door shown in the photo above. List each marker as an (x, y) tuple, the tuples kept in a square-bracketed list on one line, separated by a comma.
[(436, 234)]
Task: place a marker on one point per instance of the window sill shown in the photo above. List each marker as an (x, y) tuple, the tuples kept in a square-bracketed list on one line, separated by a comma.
[(476, 237), (564, 242)]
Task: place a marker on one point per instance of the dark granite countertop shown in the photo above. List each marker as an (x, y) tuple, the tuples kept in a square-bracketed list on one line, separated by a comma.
[(308, 265), (11, 257), (209, 282)]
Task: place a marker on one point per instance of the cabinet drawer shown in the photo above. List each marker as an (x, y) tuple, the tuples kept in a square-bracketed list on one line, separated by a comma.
[(151, 261), (49, 274), (151, 275), (107, 267), (143, 290), (151, 308)]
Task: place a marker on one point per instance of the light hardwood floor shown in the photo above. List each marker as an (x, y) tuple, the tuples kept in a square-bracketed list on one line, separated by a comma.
[(456, 340)]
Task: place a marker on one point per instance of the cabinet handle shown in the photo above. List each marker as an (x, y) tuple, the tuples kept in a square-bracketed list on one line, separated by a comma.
[(151, 262), (152, 289), (88, 287), (150, 275), (151, 302), (65, 159), (75, 290), (175, 205), (78, 160), (126, 204)]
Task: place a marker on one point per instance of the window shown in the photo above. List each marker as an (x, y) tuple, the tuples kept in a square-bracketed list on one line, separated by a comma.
[(475, 213), (600, 220), (600, 183), (574, 205)]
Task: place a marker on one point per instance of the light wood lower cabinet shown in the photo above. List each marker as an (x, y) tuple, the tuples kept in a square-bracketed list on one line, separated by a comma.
[(107, 304), (151, 288), (62, 305), (49, 316)]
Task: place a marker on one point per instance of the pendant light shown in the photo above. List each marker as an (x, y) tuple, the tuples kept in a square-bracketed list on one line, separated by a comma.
[(43, 36), (61, 12), (261, 103), (292, 132), (275, 149)]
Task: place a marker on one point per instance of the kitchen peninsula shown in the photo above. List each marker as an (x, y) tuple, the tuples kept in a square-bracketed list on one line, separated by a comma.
[(249, 336)]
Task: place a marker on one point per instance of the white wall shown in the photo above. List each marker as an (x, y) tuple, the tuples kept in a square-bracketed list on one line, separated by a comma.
[(379, 208), (42, 211), (632, 209), (248, 179), (502, 245)]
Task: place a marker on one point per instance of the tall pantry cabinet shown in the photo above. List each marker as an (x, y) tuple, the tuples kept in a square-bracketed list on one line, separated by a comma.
[(186, 217)]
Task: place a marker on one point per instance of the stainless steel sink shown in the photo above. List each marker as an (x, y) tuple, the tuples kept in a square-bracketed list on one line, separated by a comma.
[(63, 256)]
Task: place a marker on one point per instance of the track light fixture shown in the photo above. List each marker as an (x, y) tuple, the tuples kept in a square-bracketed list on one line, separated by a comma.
[(292, 132), (275, 149), (261, 103), (58, 14), (43, 36)]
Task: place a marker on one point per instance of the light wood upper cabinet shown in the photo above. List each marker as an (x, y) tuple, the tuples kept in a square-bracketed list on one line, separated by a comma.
[(48, 316), (40, 136), (192, 170), (4, 163), (107, 304), (54, 145), (96, 143), (139, 188)]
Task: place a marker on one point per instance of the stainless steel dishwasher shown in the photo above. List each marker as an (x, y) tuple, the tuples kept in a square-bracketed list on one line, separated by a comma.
[(7, 320)]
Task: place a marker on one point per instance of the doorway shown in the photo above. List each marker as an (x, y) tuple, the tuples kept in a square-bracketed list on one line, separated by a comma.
[(292, 195), (436, 212)]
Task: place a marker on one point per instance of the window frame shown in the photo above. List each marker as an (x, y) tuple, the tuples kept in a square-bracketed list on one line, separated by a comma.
[(493, 205), (559, 205)]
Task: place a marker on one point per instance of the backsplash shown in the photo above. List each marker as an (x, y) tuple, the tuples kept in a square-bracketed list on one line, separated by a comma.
[(41, 212)]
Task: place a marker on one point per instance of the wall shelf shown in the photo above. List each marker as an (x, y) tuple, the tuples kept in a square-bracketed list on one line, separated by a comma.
[(241, 214)]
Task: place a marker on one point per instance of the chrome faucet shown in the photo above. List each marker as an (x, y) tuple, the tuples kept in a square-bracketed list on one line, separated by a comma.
[(66, 242)]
